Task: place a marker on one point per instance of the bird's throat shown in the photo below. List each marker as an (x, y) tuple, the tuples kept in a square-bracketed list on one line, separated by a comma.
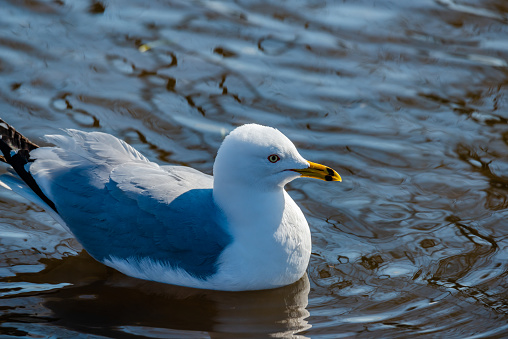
[(252, 209)]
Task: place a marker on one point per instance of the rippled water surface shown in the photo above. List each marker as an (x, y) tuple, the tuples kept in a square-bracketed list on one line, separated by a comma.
[(406, 99)]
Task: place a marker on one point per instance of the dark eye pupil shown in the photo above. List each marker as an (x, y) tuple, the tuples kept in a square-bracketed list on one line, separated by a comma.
[(273, 158)]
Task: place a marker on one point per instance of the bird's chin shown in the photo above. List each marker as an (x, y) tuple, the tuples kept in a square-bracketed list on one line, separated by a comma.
[(286, 177)]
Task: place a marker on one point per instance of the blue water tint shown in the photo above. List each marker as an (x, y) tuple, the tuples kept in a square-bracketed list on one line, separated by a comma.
[(407, 100)]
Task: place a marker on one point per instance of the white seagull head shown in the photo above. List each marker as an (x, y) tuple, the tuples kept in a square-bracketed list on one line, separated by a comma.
[(264, 158)]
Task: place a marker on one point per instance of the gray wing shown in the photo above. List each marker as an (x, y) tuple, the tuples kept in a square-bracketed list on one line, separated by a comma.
[(118, 204)]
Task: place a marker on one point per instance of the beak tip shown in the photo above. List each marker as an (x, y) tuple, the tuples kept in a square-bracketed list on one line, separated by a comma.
[(332, 175), (334, 178)]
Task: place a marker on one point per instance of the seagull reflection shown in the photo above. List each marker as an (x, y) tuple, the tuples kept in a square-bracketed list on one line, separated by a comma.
[(102, 301)]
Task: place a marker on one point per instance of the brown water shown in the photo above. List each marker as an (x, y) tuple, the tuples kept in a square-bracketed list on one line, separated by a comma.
[(408, 100)]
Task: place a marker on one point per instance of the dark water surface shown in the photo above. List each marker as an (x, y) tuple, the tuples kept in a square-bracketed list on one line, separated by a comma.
[(408, 100)]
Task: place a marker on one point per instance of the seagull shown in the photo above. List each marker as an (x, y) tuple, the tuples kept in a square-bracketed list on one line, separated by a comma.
[(237, 230)]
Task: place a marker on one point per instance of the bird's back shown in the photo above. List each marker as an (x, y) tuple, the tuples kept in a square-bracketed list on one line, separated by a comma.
[(121, 206)]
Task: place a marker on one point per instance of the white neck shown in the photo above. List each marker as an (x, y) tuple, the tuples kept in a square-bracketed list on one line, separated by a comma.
[(271, 244), (250, 208)]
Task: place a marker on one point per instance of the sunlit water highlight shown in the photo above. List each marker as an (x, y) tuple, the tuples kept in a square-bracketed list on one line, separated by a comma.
[(406, 99)]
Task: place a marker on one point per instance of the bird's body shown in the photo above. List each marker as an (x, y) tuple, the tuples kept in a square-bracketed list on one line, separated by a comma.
[(237, 230)]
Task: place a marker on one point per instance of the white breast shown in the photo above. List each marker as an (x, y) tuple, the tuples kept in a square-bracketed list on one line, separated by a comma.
[(257, 260)]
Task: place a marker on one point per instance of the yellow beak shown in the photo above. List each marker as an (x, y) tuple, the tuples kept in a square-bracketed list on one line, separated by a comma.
[(319, 171)]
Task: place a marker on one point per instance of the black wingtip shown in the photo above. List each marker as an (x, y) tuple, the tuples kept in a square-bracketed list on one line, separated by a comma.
[(16, 152), (15, 139)]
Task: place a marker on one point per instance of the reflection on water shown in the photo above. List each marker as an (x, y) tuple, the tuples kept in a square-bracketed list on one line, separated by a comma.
[(406, 99), (98, 300)]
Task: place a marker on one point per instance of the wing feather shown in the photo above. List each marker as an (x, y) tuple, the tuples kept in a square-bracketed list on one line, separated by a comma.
[(119, 204)]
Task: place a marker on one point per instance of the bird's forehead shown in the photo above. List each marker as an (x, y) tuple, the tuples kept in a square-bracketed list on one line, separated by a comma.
[(271, 146), (255, 140)]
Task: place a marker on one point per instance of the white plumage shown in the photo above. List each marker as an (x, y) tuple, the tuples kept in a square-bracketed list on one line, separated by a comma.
[(237, 230)]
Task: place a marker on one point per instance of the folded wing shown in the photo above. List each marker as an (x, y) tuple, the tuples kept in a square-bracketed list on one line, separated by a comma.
[(120, 205)]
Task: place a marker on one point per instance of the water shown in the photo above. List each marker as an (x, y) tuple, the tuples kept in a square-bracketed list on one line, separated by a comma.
[(407, 100)]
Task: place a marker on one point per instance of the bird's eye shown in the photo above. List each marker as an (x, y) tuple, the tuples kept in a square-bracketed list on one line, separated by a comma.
[(273, 158)]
